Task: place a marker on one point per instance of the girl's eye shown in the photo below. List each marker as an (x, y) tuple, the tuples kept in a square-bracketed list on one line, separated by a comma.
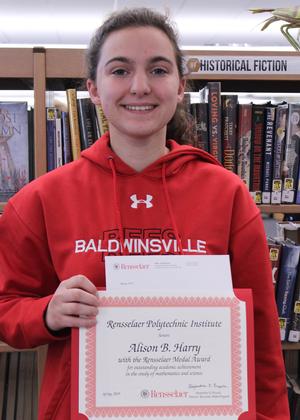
[(120, 72), (159, 71)]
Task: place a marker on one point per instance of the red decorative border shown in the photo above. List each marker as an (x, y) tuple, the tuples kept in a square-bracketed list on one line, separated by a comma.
[(179, 411)]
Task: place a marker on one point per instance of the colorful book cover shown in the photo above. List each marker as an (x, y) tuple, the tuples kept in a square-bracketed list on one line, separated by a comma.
[(215, 119), (286, 286), (229, 131), (267, 169), (14, 148), (244, 142), (274, 255), (291, 159), (257, 153), (279, 148)]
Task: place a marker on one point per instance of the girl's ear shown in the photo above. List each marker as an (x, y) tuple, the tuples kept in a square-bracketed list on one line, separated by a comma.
[(93, 91), (181, 89)]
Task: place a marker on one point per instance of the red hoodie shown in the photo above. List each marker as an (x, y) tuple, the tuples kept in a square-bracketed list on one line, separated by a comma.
[(66, 221)]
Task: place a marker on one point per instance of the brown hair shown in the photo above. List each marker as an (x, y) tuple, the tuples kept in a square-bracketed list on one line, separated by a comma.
[(180, 126)]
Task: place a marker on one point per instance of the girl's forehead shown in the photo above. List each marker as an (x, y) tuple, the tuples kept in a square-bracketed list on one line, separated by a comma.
[(139, 41)]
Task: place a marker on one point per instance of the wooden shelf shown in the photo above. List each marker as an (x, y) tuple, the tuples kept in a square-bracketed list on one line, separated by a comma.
[(279, 208), (290, 346)]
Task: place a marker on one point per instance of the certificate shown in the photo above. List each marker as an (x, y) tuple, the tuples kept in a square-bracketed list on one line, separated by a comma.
[(165, 357)]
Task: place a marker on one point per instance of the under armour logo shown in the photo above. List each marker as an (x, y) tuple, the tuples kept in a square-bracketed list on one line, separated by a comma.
[(136, 202)]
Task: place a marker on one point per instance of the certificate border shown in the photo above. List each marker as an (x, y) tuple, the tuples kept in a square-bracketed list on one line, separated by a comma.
[(165, 411)]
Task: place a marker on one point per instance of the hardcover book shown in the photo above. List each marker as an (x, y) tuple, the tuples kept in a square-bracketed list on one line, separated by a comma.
[(211, 94), (257, 153), (14, 148), (87, 122), (199, 112), (53, 139), (101, 120), (286, 286), (274, 255), (229, 131), (66, 137), (279, 148), (267, 169), (74, 123), (244, 142), (215, 119), (291, 159)]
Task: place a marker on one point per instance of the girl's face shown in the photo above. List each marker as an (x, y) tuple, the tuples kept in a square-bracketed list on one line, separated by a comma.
[(137, 84)]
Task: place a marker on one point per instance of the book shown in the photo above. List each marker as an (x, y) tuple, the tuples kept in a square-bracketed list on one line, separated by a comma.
[(101, 119), (291, 157), (58, 142), (215, 119), (87, 122), (229, 131), (268, 145), (286, 285), (66, 137), (257, 147), (244, 142), (294, 329), (274, 256), (14, 148), (74, 123), (199, 112), (279, 148), (52, 137), (30, 114)]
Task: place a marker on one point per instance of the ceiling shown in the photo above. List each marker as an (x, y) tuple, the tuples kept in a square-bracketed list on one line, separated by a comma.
[(200, 23)]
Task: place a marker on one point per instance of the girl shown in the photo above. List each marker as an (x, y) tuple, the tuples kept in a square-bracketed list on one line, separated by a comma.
[(134, 184)]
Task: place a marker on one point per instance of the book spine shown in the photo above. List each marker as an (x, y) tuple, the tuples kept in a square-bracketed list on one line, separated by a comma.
[(58, 143), (31, 143), (86, 125), (50, 136), (279, 147), (199, 112), (244, 142), (274, 255), (74, 123), (291, 159), (286, 286), (268, 154), (102, 121), (215, 117), (257, 153), (66, 138), (229, 131), (294, 332)]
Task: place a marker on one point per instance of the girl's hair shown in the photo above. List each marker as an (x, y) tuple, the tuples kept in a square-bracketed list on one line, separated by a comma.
[(180, 127)]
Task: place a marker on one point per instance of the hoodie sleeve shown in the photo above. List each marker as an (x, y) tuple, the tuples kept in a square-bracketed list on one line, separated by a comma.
[(27, 277), (251, 268)]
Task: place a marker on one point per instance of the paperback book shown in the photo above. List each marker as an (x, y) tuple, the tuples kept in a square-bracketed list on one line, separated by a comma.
[(14, 148)]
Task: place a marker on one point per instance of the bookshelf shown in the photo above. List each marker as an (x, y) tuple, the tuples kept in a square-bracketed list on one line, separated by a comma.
[(49, 68)]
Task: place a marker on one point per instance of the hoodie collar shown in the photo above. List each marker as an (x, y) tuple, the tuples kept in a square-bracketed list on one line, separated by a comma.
[(100, 153)]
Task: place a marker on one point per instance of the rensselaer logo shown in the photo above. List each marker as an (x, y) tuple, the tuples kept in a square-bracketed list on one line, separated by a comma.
[(165, 394), (145, 393)]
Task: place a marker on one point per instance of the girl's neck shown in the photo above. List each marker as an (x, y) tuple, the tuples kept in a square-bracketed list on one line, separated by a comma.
[(138, 153)]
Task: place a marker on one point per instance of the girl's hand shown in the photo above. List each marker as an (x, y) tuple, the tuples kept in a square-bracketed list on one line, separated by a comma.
[(74, 304)]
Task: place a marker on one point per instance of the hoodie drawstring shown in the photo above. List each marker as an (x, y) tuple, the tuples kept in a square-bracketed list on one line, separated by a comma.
[(116, 203), (174, 225)]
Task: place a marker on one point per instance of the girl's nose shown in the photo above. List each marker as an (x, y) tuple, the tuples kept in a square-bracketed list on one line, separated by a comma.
[(140, 85)]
